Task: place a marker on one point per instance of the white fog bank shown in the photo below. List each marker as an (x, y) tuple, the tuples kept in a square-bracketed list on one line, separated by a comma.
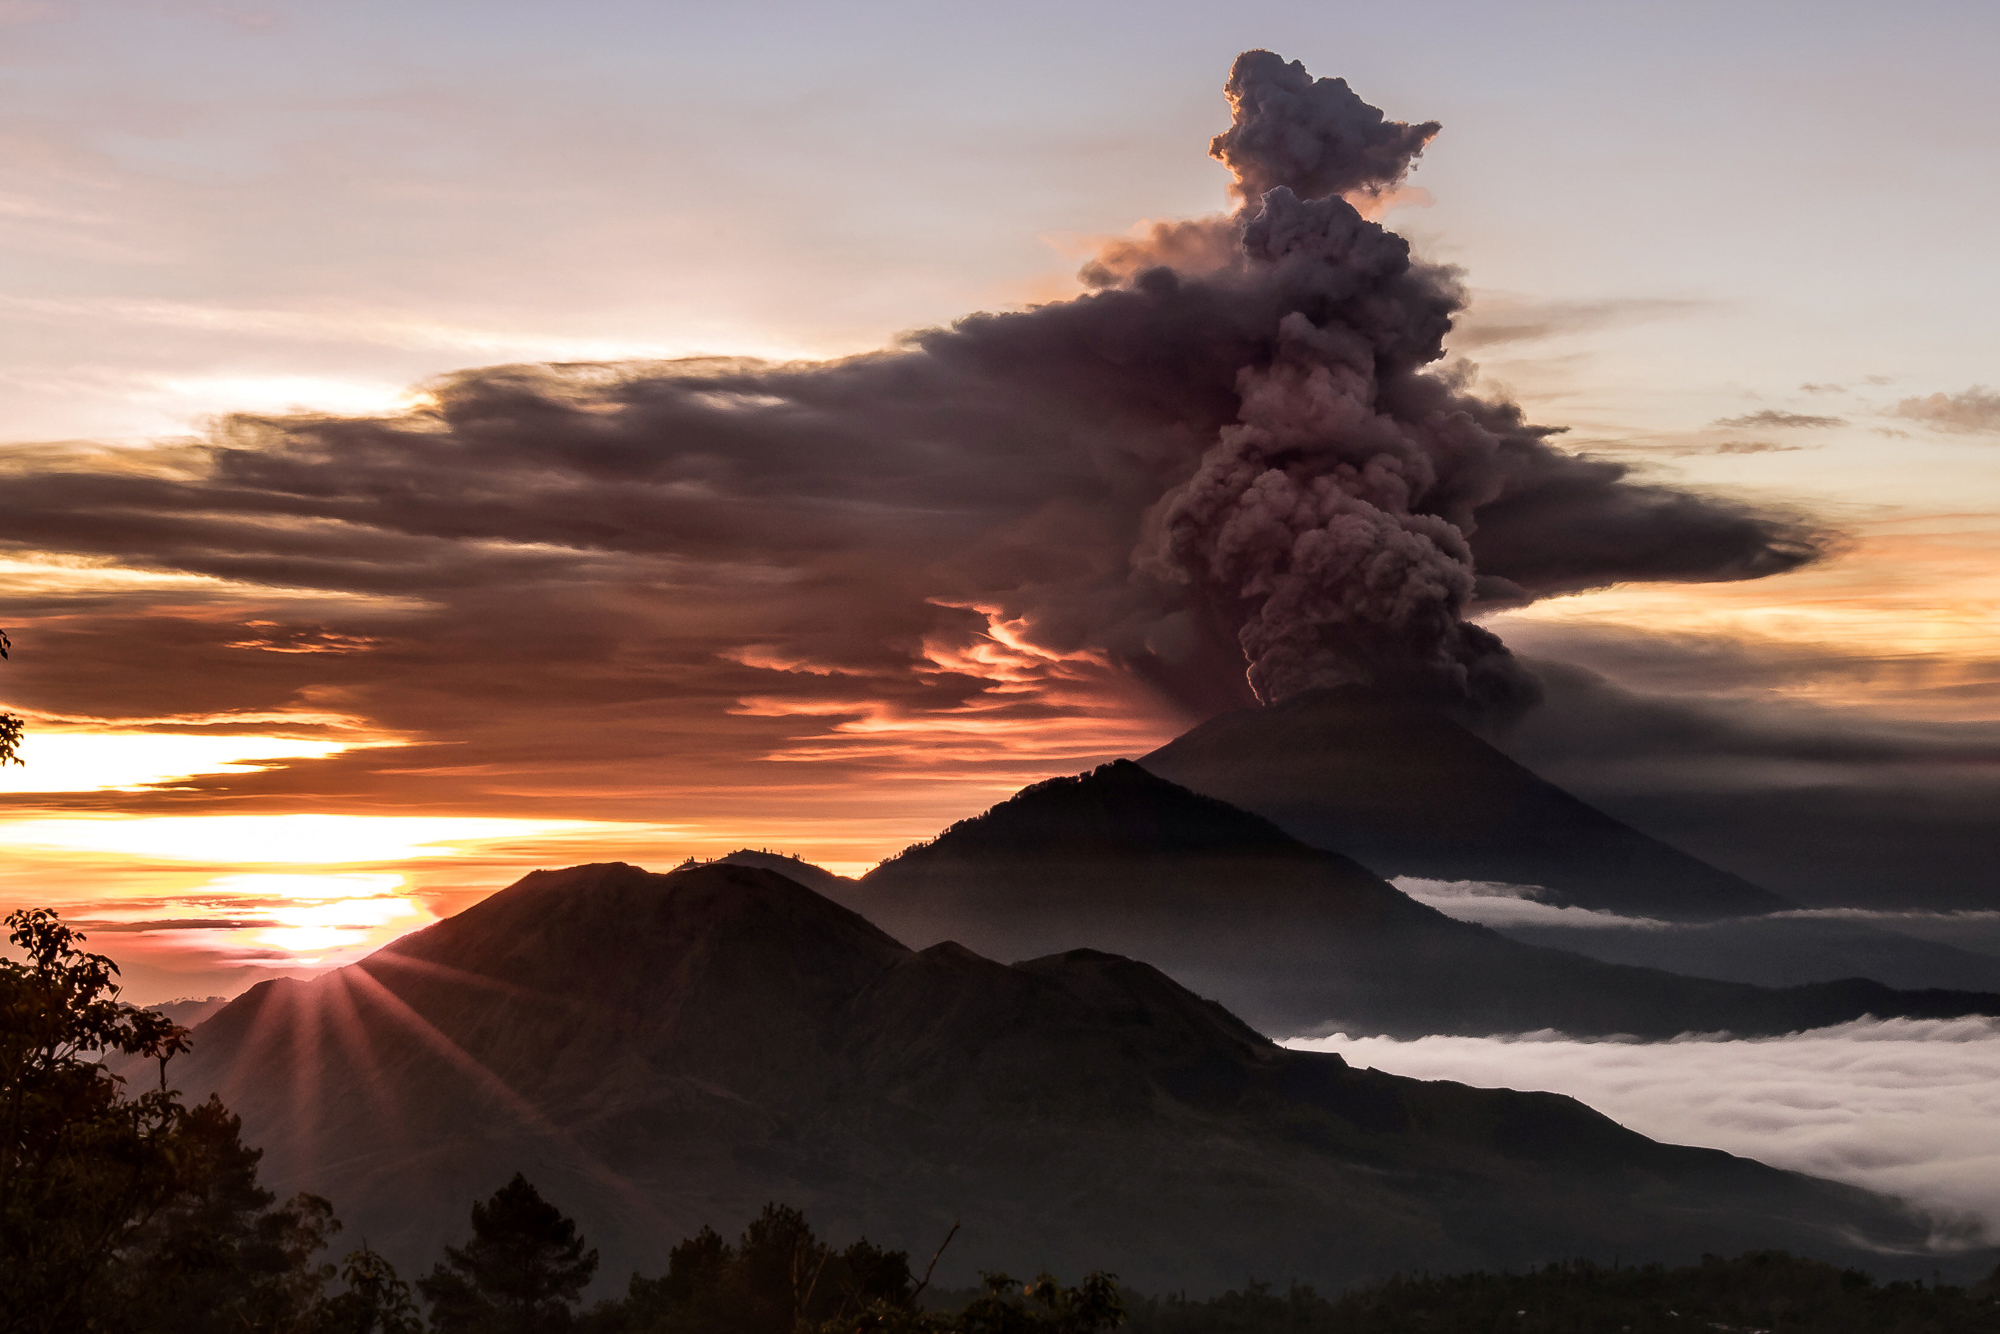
[(1909, 1107)]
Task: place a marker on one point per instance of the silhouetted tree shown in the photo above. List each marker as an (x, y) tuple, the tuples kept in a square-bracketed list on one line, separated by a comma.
[(1768, 1291), (131, 1214), (781, 1279), (10, 724), (1043, 1306), (219, 1255), (778, 1278), (82, 1167), (522, 1272), (376, 1301)]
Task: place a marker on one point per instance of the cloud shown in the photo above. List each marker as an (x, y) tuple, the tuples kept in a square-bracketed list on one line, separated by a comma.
[(1499, 906), (1682, 447), (1907, 1107), (1692, 738), (1975, 410), (1313, 137), (1024, 541), (1498, 318), (1755, 447), (1774, 417)]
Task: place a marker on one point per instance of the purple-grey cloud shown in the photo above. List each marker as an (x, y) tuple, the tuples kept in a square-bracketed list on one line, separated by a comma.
[(1977, 410), (1774, 417)]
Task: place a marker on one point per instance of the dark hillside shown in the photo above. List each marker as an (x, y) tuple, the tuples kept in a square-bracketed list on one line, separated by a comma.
[(662, 1052)]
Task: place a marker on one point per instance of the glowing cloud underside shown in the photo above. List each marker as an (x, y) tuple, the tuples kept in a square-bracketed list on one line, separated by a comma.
[(289, 840)]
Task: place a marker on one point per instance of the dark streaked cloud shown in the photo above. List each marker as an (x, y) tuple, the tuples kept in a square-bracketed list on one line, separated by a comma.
[(1821, 804), (1774, 417), (1976, 410), (1495, 319), (1756, 447)]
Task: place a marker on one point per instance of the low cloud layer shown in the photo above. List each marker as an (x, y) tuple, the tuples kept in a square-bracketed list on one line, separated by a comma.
[(1497, 905), (1907, 1107), (1908, 948)]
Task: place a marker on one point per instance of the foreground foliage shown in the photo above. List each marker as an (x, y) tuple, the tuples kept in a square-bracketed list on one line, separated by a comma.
[(139, 1214), (779, 1278), (10, 723), (82, 1167), (521, 1273), (1767, 1291)]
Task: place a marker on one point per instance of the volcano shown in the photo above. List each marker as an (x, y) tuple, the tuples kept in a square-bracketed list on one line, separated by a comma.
[(1395, 784), (1295, 939), (661, 1052)]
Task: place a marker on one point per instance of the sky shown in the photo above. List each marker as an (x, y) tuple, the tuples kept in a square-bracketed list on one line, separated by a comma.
[(323, 626)]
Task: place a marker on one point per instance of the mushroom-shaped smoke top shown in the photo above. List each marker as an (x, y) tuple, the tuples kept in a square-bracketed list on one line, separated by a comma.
[(1312, 135)]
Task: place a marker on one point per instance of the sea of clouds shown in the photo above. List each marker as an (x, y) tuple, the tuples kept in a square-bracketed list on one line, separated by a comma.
[(1908, 1107), (1492, 903)]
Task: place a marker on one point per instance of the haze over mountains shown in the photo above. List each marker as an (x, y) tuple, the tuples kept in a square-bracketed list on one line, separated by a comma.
[(1292, 938), (1395, 784), (1400, 787), (967, 1032), (661, 1052)]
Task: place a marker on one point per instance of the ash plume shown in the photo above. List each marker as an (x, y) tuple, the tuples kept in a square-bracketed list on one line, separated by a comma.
[(1337, 514), (1236, 463), (1312, 136)]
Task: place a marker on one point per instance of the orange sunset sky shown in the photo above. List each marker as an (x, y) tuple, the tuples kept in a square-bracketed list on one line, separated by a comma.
[(312, 649)]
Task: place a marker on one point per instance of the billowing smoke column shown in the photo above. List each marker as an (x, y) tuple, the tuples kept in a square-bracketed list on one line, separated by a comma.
[(1311, 136), (1335, 515), (1238, 447)]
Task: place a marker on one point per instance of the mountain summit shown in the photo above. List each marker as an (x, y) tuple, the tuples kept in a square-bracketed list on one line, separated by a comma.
[(1295, 939), (662, 1052), (1404, 790)]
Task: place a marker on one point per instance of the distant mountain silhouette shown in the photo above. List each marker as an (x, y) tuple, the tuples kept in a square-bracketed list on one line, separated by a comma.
[(1788, 949), (662, 1052), (816, 878), (1404, 790), (1294, 939)]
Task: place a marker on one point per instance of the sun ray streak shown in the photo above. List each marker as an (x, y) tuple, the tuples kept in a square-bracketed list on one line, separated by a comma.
[(351, 1031), (431, 968), (530, 1116)]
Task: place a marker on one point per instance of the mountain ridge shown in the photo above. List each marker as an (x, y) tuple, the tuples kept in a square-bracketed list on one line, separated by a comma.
[(1295, 939), (1403, 789), (744, 1039)]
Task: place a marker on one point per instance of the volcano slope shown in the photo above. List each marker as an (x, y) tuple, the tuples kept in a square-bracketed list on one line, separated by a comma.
[(1294, 939), (660, 1052), (1404, 790)]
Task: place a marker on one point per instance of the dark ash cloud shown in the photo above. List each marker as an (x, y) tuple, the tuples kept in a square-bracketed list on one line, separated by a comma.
[(1314, 137), (1240, 452), (1977, 410), (1689, 739), (1777, 418)]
